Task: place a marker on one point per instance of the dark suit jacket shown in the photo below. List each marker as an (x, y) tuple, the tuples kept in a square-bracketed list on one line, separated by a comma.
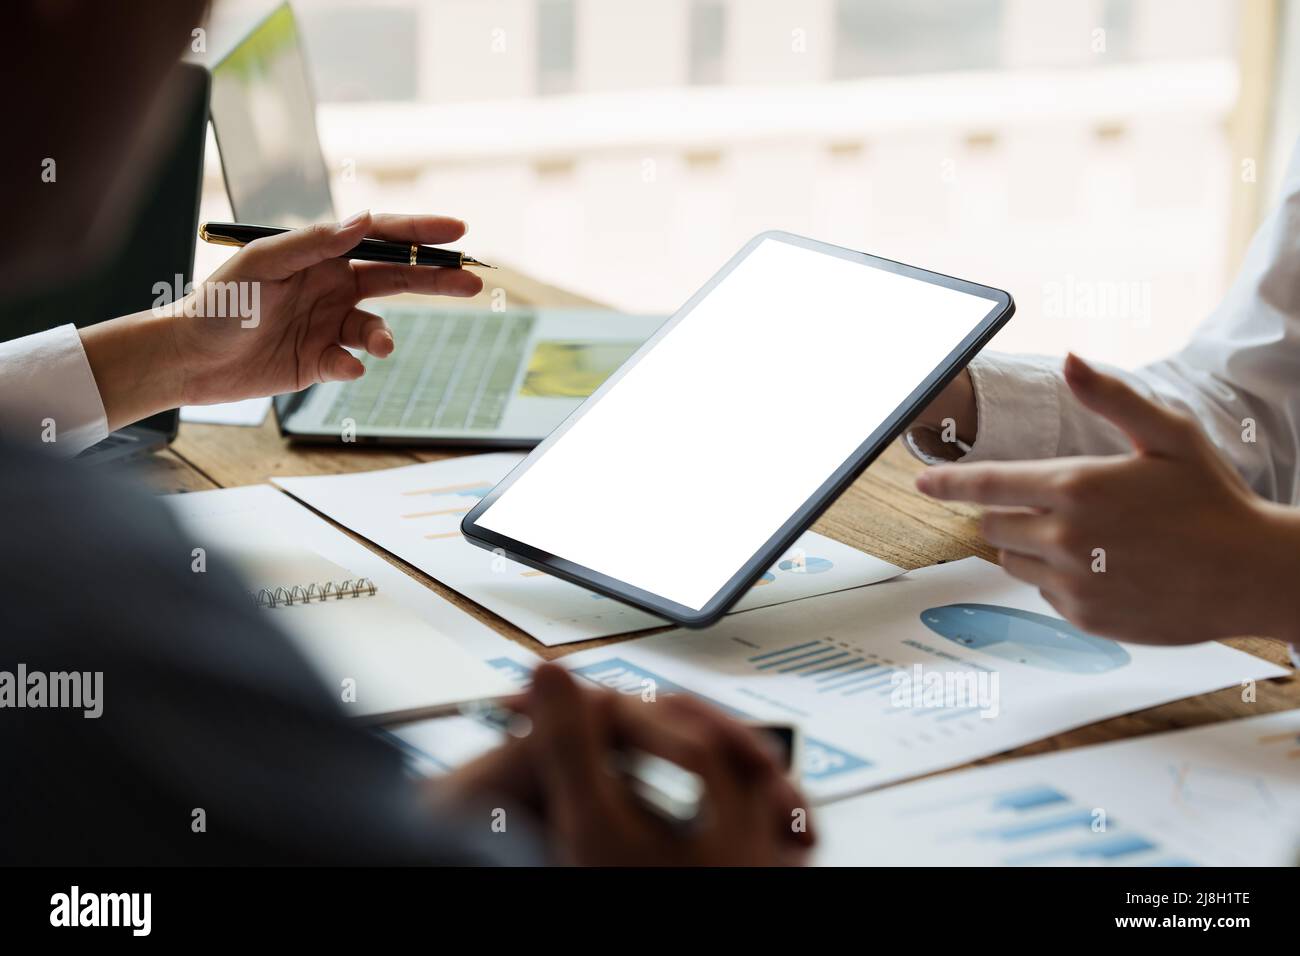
[(205, 706)]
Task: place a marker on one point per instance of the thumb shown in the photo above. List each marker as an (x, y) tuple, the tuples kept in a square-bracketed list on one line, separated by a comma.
[(567, 733), (279, 257), (1149, 426)]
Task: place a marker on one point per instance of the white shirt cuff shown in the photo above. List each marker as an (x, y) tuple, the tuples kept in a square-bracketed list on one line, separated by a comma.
[(928, 445), (48, 394), (1018, 407)]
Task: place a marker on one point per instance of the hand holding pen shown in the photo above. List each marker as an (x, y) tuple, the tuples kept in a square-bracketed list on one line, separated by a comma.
[(367, 250), (285, 315)]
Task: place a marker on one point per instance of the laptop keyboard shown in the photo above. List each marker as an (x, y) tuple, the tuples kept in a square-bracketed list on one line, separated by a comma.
[(451, 370)]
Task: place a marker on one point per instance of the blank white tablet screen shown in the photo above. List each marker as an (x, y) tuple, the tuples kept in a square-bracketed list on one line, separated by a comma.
[(683, 470)]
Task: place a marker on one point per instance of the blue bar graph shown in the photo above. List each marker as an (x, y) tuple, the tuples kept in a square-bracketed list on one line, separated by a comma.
[(784, 650), (1100, 847), (1031, 798), (854, 666), (1070, 820), (832, 668), (1036, 825)]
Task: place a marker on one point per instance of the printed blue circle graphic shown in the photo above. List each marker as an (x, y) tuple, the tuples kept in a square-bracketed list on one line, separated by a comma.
[(810, 565), (1025, 637)]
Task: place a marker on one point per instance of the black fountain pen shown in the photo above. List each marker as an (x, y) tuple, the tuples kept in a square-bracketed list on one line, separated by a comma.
[(367, 250)]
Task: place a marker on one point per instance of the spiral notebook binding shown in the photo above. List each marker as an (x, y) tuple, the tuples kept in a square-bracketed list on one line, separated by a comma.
[(306, 594)]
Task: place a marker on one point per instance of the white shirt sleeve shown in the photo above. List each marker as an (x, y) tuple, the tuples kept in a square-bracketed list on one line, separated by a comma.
[(48, 393), (1239, 376)]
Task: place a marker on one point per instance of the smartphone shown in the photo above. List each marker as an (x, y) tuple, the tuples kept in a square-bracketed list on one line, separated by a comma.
[(675, 794)]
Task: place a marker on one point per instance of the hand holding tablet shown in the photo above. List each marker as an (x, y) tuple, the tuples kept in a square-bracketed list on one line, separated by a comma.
[(696, 465)]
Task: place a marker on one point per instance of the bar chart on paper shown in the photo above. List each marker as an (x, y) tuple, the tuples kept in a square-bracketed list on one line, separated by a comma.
[(1037, 825), (892, 689), (1221, 795), (468, 494), (823, 674), (415, 512)]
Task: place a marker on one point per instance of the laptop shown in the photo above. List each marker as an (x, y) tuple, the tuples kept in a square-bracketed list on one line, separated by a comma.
[(157, 246), (460, 376)]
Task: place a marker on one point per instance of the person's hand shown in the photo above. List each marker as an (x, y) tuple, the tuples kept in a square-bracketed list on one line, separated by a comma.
[(308, 308), (956, 403), (752, 815), (1166, 545), (275, 318)]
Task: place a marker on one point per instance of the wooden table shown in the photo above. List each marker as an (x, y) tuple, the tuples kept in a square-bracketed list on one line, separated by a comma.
[(881, 514)]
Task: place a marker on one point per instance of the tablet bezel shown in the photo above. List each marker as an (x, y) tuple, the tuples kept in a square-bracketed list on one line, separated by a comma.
[(1001, 310)]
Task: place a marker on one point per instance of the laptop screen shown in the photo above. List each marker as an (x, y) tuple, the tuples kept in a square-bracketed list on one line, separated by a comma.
[(264, 116)]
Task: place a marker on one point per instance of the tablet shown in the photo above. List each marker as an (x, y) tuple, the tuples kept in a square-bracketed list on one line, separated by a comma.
[(694, 467)]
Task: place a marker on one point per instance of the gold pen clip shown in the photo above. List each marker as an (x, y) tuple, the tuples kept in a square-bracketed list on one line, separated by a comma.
[(216, 240)]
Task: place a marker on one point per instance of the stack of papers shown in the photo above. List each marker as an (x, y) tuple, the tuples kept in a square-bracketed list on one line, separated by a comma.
[(943, 666), (933, 670), (378, 660), (415, 513), (1223, 795)]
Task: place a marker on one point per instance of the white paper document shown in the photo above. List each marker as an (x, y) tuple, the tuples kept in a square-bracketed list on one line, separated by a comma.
[(940, 667), (250, 412), (438, 746), (400, 652), (415, 512), (1223, 795)]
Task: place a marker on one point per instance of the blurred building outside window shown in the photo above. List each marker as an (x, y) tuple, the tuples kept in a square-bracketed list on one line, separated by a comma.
[(1086, 155)]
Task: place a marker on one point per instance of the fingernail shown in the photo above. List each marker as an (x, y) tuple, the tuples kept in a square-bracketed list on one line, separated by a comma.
[(353, 219)]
